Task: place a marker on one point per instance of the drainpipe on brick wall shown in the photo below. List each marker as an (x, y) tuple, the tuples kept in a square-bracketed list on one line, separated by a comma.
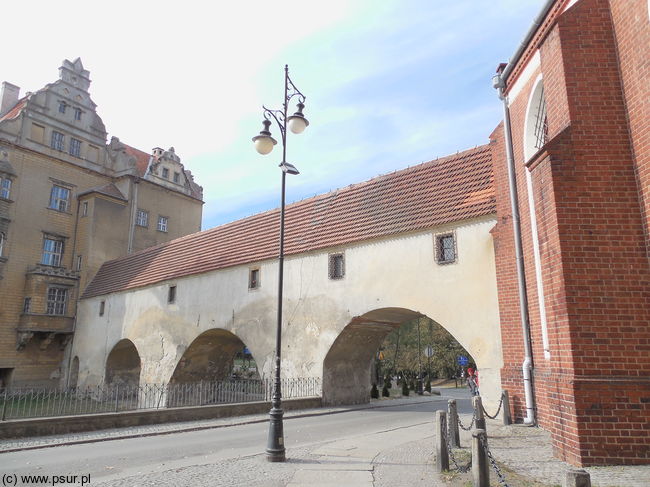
[(527, 366)]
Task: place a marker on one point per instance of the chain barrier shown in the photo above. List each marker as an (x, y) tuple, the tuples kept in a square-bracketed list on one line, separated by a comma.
[(460, 469), (470, 425), (493, 462), (498, 409)]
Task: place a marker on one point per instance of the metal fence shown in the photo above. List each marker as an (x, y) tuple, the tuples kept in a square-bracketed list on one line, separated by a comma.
[(35, 403)]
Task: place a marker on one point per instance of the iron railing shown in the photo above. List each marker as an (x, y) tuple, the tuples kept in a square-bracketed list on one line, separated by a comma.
[(34, 403)]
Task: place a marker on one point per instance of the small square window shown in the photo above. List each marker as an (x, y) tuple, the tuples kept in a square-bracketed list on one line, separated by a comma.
[(171, 294), (102, 306), (162, 223), (177, 177), (336, 266), (142, 218), (253, 279), (165, 173), (445, 248)]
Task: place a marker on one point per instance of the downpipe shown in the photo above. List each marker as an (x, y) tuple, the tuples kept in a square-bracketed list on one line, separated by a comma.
[(527, 366)]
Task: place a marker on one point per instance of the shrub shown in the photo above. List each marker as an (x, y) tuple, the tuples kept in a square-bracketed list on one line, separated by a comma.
[(374, 392), (427, 385), (385, 392), (387, 382), (405, 388)]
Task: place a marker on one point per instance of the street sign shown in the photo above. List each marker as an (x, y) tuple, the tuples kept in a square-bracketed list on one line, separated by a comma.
[(428, 352), (462, 360)]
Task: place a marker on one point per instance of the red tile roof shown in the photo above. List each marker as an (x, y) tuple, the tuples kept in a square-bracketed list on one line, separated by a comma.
[(15, 111), (446, 190), (141, 159)]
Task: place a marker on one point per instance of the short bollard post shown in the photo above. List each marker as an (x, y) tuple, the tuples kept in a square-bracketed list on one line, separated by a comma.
[(507, 419), (577, 478), (480, 466), (452, 424), (478, 411), (442, 454)]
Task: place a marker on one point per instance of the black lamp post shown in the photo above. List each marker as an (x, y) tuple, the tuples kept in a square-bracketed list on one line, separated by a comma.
[(275, 451)]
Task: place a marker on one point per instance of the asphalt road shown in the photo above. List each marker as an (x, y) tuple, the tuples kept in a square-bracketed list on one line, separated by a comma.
[(112, 460)]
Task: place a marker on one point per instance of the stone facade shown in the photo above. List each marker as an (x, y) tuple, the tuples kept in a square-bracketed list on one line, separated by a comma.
[(579, 103), (69, 202)]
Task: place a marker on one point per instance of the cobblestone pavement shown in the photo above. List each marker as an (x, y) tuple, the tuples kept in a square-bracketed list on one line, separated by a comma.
[(392, 458)]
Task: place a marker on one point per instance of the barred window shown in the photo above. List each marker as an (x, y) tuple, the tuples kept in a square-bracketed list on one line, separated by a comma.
[(52, 252), (58, 140), (445, 248), (75, 147), (336, 266), (254, 279), (162, 223), (142, 218), (57, 298), (59, 198)]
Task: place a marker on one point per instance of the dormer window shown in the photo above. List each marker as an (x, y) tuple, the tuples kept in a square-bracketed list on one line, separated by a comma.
[(165, 173), (177, 177)]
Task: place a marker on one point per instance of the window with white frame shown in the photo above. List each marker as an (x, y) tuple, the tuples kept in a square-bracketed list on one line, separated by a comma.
[(162, 223), (52, 251), (5, 187), (336, 266), (59, 198), (58, 140), (57, 298), (75, 147), (445, 248), (142, 218)]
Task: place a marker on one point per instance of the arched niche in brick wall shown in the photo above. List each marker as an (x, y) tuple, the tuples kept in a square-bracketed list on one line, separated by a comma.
[(535, 124)]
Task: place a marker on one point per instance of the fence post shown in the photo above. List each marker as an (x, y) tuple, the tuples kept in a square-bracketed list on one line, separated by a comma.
[(452, 424), (480, 466), (507, 419), (577, 478), (442, 453), (478, 410), (4, 406)]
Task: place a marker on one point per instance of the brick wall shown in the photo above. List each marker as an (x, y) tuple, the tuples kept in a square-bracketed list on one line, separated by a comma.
[(592, 393)]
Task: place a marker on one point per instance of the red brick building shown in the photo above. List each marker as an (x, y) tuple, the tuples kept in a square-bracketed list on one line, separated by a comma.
[(577, 133)]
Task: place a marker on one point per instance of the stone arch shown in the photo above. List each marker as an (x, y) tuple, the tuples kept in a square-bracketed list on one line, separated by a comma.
[(73, 377), (123, 364), (535, 124), (209, 357)]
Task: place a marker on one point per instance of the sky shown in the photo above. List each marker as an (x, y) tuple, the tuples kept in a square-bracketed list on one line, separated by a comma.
[(388, 83)]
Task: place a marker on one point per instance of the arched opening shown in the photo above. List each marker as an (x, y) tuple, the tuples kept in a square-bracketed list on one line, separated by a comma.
[(123, 364), (74, 373), (215, 355), (351, 364), (536, 122)]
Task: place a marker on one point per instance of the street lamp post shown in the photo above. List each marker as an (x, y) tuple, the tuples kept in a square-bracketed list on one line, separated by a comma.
[(275, 451)]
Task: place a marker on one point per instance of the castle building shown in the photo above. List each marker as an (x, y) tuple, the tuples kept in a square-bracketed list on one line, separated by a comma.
[(576, 135), (68, 202)]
